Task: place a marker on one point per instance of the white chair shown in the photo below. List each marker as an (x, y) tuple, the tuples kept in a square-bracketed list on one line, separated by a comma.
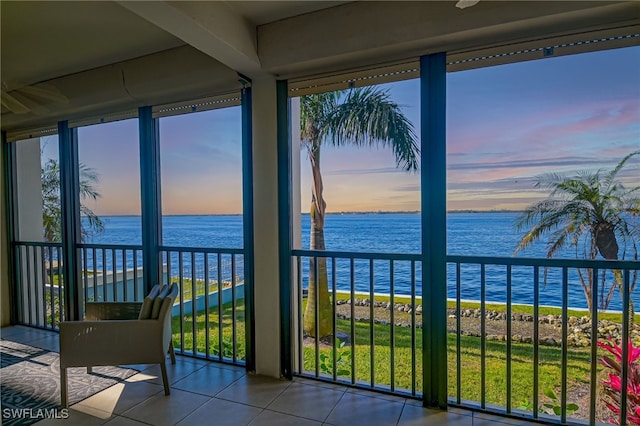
[(117, 333)]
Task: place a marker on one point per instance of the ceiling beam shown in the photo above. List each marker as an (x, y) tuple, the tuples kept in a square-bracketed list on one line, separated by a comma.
[(345, 36), (211, 27)]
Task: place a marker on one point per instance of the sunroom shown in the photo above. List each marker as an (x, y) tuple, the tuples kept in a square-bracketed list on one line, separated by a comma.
[(158, 142)]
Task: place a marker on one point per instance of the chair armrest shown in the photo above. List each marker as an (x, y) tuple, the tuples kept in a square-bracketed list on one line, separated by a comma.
[(89, 343), (112, 310)]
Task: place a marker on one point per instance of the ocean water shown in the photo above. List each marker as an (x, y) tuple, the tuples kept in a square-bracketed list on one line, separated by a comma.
[(481, 234)]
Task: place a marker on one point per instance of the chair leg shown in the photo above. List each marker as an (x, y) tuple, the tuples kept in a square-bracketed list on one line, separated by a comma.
[(63, 388), (172, 353), (89, 370), (165, 380)]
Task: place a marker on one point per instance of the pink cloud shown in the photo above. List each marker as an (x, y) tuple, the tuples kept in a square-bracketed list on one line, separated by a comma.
[(545, 132)]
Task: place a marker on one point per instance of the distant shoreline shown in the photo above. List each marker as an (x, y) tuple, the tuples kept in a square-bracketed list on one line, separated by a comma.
[(328, 213)]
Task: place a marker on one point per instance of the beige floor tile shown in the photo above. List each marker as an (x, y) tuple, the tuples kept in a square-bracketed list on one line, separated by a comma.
[(355, 410), (239, 368), (486, 419), (458, 410), (241, 399), (219, 412), (50, 343), (164, 410), (208, 380), (123, 421), (320, 383), (78, 417), (418, 416), (271, 418), (196, 361), (380, 395), (311, 402), (23, 334), (122, 396), (416, 402), (175, 372), (258, 391)]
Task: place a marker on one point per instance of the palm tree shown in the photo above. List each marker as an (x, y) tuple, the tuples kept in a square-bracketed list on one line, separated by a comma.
[(359, 117), (51, 213), (591, 212)]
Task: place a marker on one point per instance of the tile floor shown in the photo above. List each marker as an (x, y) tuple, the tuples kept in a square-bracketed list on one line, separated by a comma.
[(207, 393)]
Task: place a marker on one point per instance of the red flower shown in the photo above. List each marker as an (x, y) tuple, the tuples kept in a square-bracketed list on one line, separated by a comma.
[(613, 386), (634, 353)]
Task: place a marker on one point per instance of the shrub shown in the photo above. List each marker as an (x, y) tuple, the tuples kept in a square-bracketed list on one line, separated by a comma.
[(613, 385)]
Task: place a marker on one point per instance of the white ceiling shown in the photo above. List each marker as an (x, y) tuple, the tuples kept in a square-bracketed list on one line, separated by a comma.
[(264, 12), (109, 56), (42, 40)]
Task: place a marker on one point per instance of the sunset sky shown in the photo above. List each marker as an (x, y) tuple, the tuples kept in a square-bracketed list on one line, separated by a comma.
[(505, 125)]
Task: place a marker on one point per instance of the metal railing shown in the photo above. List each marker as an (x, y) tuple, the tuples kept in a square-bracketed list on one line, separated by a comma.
[(556, 346), (208, 317), (40, 290), (211, 301), (111, 273), (506, 346), (367, 349), (519, 358)]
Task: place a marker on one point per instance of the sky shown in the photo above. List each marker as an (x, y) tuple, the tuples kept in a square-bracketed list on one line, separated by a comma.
[(505, 126)]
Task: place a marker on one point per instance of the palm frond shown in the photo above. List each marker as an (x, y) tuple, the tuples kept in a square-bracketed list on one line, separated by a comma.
[(577, 207), (611, 176), (368, 117)]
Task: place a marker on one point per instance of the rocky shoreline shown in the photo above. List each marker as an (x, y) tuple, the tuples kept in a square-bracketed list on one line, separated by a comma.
[(522, 330)]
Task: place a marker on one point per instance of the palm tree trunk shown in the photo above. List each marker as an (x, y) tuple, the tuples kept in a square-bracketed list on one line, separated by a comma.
[(318, 302), (607, 244)]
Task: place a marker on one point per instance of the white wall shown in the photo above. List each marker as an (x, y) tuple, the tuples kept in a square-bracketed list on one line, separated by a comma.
[(265, 216), (29, 186)]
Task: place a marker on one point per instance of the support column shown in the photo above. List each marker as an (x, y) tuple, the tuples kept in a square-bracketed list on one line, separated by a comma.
[(29, 194), (150, 194), (433, 75), (265, 217), (284, 226), (70, 208), (248, 228), (296, 229), (7, 298), (27, 225)]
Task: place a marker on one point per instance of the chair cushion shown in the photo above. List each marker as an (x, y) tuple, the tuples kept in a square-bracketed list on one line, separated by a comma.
[(147, 304), (157, 302)]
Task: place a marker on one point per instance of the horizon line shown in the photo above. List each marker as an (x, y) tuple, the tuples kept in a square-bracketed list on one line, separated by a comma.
[(329, 213)]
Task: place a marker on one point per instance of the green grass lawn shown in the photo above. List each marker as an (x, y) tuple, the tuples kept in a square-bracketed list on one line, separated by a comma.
[(549, 367), (187, 287), (216, 324), (578, 367)]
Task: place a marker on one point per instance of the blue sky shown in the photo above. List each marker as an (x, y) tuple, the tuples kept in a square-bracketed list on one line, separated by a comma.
[(505, 125)]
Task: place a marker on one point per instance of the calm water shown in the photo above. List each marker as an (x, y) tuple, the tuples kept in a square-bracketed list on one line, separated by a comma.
[(482, 234)]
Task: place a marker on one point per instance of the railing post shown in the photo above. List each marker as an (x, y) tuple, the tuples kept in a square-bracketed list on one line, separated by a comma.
[(150, 194), (70, 214), (284, 226), (434, 228), (248, 228)]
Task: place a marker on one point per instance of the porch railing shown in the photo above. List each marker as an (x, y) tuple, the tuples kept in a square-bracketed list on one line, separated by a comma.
[(506, 354), (208, 318), (506, 347), (211, 301), (40, 290)]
